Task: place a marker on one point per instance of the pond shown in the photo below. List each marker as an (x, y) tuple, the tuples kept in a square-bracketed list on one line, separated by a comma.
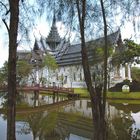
[(46, 117)]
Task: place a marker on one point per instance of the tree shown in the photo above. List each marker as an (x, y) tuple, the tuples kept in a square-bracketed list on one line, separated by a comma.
[(24, 69), (81, 9), (105, 51), (47, 62), (12, 31), (50, 64), (95, 93), (4, 74), (129, 54), (135, 73)]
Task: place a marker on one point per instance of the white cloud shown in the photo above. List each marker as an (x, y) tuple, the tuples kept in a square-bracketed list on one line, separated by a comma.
[(43, 29)]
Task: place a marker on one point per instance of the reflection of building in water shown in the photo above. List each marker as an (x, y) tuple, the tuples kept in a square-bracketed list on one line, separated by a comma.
[(112, 112), (62, 126), (121, 120), (83, 107), (33, 99), (80, 106), (74, 125)]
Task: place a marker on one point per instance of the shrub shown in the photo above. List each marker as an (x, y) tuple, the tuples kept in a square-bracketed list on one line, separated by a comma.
[(134, 86)]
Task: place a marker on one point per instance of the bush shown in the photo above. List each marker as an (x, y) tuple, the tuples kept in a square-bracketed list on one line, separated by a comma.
[(126, 82), (134, 86), (117, 87)]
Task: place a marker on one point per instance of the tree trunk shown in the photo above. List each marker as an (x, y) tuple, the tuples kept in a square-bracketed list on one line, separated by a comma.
[(105, 54), (95, 93), (99, 121), (13, 29), (85, 63)]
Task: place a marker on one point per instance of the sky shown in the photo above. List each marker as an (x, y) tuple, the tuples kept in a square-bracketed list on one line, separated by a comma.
[(43, 28)]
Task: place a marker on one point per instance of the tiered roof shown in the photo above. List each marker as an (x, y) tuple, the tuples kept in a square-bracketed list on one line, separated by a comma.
[(72, 56)]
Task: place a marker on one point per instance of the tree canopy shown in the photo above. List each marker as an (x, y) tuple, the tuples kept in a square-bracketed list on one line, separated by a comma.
[(24, 69), (50, 62), (135, 72), (128, 54)]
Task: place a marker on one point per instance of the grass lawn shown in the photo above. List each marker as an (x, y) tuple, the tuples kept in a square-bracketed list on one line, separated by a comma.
[(111, 95), (121, 95), (118, 101), (82, 91)]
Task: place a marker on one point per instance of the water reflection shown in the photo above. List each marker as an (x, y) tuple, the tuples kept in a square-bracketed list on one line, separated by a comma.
[(121, 120), (35, 99), (72, 121)]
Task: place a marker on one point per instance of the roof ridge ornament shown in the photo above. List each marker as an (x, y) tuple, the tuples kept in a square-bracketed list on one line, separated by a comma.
[(54, 19)]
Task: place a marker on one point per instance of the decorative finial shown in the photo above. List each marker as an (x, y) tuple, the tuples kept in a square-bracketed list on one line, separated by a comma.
[(54, 19)]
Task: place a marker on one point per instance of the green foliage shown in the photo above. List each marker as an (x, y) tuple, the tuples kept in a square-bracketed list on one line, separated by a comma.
[(50, 62), (98, 54), (4, 74), (126, 82), (135, 73), (117, 58), (128, 54), (23, 68), (99, 51), (23, 71)]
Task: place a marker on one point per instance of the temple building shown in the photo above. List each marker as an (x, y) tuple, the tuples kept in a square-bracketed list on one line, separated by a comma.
[(68, 57)]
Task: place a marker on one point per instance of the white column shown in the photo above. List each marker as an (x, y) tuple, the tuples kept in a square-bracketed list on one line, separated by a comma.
[(122, 72), (37, 76), (129, 72)]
